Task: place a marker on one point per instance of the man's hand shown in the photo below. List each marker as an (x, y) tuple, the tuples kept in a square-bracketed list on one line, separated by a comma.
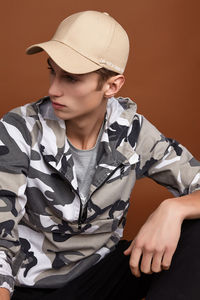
[(4, 294), (153, 247)]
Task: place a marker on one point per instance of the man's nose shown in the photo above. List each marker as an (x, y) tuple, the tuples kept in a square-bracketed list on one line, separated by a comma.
[(55, 89)]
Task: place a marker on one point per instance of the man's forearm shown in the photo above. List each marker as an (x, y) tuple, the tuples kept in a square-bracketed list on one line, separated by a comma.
[(4, 294)]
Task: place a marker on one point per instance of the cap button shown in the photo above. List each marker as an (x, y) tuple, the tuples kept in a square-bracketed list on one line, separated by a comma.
[(105, 13)]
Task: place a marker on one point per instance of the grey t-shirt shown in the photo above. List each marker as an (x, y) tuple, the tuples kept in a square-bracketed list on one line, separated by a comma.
[(85, 163)]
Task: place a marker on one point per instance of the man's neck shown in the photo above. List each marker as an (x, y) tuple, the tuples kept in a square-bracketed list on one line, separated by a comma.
[(83, 133)]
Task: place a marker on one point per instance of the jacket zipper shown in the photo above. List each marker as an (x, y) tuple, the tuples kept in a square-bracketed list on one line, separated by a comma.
[(83, 211), (82, 215)]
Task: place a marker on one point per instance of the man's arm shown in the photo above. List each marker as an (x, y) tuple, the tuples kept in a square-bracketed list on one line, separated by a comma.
[(170, 164), (157, 240), (14, 163)]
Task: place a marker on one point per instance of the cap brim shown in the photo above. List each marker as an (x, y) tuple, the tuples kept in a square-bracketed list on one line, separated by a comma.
[(65, 57)]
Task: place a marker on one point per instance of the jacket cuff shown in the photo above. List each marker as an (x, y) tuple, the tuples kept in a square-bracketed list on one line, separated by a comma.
[(6, 277), (7, 282)]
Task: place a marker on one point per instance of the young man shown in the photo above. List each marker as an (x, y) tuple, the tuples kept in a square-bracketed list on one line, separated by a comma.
[(68, 164)]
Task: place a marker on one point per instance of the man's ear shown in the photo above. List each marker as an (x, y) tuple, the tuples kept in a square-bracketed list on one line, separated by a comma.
[(113, 85)]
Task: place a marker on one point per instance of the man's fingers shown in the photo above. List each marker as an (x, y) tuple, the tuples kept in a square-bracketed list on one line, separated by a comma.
[(134, 258), (167, 258), (146, 262), (134, 261), (129, 249), (156, 265)]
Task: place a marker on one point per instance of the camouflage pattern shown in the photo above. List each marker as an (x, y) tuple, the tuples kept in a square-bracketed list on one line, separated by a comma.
[(47, 239)]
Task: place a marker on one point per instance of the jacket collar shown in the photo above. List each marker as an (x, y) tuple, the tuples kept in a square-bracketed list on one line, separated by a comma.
[(117, 144)]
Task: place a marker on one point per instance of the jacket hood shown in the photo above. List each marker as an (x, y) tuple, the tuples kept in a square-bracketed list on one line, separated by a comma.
[(118, 141)]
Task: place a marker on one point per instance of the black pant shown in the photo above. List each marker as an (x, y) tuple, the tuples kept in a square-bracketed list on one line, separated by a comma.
[(111, 278)]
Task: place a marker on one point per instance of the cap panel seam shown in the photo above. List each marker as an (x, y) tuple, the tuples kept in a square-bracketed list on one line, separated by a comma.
[(89, 58), (111, 37), (106, 62)]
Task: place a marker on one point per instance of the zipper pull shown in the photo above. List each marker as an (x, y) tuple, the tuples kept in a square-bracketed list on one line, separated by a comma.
[(82, 216)]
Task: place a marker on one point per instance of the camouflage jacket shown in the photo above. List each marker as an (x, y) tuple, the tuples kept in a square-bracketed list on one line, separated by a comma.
[(47, 238)]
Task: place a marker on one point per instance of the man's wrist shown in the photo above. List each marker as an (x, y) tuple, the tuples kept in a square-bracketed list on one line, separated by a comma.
[(185, 207), (176, 207), (4, 294)]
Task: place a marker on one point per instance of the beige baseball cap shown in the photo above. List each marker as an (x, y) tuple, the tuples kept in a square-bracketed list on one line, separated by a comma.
[(87, 41)]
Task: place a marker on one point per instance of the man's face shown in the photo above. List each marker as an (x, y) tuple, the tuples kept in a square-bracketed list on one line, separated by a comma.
[(74, 96)]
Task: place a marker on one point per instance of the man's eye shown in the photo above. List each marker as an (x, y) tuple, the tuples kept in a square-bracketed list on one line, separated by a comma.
[(70, 78), (67, 77), (51, 70)]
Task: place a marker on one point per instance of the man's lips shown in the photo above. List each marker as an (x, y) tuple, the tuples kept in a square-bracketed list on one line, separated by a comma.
[(57, 105)]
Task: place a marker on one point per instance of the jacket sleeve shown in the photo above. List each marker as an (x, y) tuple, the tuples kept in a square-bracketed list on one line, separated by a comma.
[(14, 162), (166, 161)]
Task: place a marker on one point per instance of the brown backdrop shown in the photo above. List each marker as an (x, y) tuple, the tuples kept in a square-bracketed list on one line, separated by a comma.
[(162, 75)]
